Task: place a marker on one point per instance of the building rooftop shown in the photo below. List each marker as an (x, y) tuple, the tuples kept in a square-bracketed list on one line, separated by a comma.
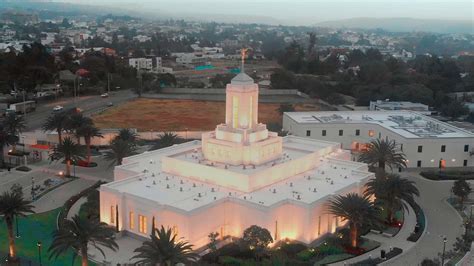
[(404, 123), (187, 194)]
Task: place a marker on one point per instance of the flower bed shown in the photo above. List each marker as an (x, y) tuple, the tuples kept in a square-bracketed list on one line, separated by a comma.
[(394, 252), (420, 224), (448, 175)]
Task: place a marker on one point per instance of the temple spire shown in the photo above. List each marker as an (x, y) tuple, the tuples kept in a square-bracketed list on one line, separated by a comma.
[(243, 53)]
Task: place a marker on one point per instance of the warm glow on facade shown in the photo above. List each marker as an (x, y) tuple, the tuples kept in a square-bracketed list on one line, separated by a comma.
[(239, 175)]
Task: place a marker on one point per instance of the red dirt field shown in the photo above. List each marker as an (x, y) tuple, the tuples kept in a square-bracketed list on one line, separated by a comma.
[(180, 115)]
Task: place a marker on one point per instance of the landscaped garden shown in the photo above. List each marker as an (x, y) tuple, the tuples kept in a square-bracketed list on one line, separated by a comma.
[(448, 175), (34, 228)]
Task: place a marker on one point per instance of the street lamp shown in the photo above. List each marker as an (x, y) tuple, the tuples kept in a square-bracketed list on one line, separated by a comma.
[(39, 252), (17, 231), (444, 250)]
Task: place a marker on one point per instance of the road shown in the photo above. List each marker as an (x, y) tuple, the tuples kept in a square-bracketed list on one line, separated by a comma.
[(442, 220), (89, 104)]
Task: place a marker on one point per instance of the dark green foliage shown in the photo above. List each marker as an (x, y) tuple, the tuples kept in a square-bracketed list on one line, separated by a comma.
[(461, 189), (454, 109), (78, 233), (164, 248), (382, 153)]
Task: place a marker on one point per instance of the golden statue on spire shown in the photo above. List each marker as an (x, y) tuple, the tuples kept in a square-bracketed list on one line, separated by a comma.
[(243, 54)]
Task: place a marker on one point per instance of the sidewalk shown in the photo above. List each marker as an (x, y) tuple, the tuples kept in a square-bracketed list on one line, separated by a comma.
[(57, 197), (399, 240)]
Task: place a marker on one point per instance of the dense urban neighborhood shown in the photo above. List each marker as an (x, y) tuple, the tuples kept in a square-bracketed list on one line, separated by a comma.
[(129, 140)]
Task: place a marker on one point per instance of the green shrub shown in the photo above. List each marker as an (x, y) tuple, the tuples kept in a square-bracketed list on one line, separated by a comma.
[(227, 260), (329, 250), (23, 168), (306, 255), (291, 249)]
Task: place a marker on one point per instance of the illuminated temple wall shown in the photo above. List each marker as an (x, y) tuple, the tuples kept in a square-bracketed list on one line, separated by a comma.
[(229, 216)]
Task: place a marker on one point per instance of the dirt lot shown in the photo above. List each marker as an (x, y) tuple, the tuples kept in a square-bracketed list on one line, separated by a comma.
[(177, 115)]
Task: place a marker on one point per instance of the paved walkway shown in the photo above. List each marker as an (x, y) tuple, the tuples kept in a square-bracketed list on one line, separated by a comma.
[(399, 240), (76, 207), (57, 197)]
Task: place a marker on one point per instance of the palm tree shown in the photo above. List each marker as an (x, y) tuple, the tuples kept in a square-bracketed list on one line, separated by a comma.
[(164, 249), (166, 139), (88, 131), (77, 120), (128, 135), (57, 122), (358, 210), (78, 233), (5, 139), (14, 125), (70, 151), (119, 149), (383, 152), (392, 192), (12, 204)]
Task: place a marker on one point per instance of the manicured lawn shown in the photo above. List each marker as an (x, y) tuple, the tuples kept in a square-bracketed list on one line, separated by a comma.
[(334, 258), (179, 115), (34, 228)]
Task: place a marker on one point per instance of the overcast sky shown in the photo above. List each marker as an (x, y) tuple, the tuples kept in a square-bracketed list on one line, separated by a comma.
[(297, 12)]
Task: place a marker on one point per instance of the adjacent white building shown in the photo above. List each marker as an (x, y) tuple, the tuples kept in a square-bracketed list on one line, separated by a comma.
[(239, 175), (141, 63), (403, 105), (426, 142)]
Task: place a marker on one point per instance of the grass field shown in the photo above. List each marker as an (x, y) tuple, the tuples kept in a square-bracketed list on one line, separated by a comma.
[(34, 228), (180, 115)]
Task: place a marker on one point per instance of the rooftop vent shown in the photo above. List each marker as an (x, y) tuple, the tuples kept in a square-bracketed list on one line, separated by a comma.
[(168, 186), (291, 184), (213, 190), (314, 190), (154, 182), (199, 195), (298, 197), (274, 191), (194, 184), (181, 189)]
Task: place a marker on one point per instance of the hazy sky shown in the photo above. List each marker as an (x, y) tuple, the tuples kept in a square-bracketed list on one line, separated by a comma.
[(297, 12)]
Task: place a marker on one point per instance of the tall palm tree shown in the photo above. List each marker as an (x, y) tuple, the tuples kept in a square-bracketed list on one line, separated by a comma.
[(5, 139), (12, 204), (383, 152), (164, 249), (75, 121), (356, 209), (14, 125), (392, 192), (128, 135), (78, 233), (69, 151), (58, 122), (166, 139), (119, 149), (88, 131)]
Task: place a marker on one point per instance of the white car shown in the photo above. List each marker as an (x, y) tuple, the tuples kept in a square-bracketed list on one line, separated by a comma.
[(104, 95), (58, 108)]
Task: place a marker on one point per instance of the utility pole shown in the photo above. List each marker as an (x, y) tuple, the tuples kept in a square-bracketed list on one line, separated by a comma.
[(24, 104), (108, 82)]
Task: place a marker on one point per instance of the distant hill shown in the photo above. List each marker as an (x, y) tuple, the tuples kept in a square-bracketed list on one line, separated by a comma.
[(403, 24)]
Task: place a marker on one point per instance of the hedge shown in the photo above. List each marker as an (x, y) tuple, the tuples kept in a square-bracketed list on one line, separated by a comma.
[(375, 261), (448, 175)]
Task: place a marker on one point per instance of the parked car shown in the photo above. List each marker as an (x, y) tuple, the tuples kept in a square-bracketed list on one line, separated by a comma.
[(109, 104), (104, 95)]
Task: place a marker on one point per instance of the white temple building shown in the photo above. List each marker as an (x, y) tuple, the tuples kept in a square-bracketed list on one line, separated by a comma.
[(238, 175)]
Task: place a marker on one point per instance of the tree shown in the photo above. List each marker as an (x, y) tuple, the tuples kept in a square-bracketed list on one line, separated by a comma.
[(164, 249), (12, 205), (213, 241), (167, 139), (57, 122), (358, 210), (454, 109), (78, 233), (381, 153), (257, 238), (88, 131), (5, 139), (119, 149), (69, 151), (393, 193), (127, 135), (14, 125), (461, 189), (286, 107), (75, 122)]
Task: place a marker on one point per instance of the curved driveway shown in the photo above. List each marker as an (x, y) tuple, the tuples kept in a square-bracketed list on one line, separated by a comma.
[(442, 220)]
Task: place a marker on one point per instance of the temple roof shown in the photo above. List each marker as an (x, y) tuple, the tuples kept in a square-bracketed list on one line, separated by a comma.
[(242, 79)]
